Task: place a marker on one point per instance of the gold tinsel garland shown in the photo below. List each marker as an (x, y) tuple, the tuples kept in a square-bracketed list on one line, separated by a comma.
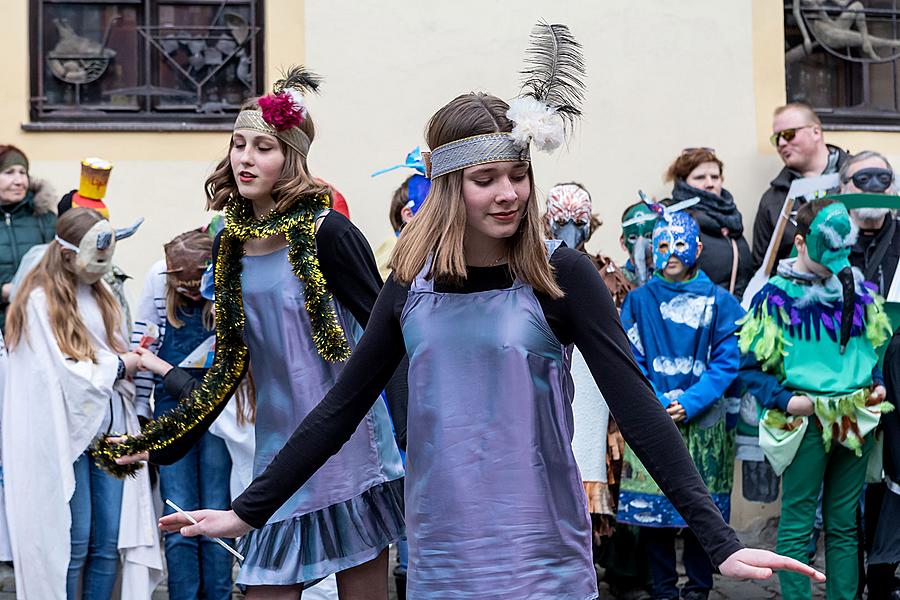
[(299, 228), (230, 361)]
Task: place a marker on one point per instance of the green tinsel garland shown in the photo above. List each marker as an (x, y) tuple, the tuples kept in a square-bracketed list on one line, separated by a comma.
[(230, 361)]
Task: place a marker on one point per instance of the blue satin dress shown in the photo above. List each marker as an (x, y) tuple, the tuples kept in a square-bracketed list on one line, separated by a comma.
[(352, 508), (495, 507)]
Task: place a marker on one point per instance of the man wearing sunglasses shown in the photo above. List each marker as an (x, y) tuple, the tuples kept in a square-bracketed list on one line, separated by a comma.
[(797, 135)]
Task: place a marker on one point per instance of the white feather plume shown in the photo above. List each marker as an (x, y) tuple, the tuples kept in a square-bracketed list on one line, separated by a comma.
[(298, 100), (536, 122)]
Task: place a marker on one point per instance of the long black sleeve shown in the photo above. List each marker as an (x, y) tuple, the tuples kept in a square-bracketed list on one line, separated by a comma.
[(330, 424), (763, 227), (348, 265), (891, 421)]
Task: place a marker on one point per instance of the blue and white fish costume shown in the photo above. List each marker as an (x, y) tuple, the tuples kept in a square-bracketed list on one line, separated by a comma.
[(683, 337)]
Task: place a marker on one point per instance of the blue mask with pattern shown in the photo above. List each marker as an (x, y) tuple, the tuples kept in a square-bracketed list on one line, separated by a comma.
[(676, 235)]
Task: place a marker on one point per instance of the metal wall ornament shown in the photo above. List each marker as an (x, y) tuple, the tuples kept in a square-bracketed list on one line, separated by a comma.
[(208, 50), (77, 59), (175, 61), (843, 58), (842, 30)]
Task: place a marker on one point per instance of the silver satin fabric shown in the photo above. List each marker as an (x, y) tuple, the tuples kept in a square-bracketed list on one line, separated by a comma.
[(291, 379), (476, 150), (495, 507)]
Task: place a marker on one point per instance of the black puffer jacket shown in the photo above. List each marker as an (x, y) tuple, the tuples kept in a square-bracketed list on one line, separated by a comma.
[(770, 207), (25, 224), (717, 258)]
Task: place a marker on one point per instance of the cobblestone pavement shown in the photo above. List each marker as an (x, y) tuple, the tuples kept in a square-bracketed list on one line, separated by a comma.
[(725, 589)]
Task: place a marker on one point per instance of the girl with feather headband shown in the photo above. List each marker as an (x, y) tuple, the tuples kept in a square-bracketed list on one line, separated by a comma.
[(294, 281), (487, 312)]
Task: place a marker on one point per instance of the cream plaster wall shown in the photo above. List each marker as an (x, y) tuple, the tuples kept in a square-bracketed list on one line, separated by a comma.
[(661, 76)]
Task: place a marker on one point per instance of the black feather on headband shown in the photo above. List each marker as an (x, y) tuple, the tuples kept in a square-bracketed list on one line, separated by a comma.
[(298, 78), (554, 73)]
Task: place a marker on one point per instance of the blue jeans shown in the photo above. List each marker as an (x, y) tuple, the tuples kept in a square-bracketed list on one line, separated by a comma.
[(198, 567), (402, 556), (661, 557), (96, 506)]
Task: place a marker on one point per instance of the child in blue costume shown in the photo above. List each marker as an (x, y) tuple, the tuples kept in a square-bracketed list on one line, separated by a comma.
[(681, 327), (624, 558), (810, 343)]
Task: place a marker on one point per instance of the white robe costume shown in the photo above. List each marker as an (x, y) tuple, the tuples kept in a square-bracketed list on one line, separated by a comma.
[(5, 548), (589, 441), (54, 407)]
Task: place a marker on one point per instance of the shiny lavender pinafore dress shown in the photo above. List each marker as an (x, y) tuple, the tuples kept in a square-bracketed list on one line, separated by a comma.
[(350, 510), (495, 507)]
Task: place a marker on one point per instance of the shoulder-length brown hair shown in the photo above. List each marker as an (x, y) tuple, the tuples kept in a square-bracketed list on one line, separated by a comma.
[(295, 180), (439, 227), (690, 159), (60, 285)]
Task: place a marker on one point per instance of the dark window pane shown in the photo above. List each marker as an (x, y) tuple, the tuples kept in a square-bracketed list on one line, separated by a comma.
[(849, 70), (206, 51), (89, 49), (144, 60)]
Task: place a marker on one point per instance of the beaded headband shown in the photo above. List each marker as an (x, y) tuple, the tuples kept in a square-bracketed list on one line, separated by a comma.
[(281, 113), (254, 121), (476, 150)]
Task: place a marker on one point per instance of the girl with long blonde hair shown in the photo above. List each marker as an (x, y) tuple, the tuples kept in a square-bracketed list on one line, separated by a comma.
[(487, 311), (66, 385)]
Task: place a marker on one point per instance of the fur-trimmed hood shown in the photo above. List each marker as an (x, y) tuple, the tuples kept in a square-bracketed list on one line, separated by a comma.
[(44, 197)]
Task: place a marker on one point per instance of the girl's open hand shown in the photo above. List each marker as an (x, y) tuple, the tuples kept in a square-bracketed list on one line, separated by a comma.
[(751, 563)]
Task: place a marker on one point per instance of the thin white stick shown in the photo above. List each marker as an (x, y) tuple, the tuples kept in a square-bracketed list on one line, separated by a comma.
[(215, 539)]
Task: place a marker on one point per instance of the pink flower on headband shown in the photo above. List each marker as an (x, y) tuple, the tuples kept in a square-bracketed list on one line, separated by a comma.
[(283, 110)]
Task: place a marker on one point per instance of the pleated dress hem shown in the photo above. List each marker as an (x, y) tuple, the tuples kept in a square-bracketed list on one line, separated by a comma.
[(309, 547)]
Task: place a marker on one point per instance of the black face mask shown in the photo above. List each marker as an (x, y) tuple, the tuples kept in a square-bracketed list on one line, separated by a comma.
[(874, 180)]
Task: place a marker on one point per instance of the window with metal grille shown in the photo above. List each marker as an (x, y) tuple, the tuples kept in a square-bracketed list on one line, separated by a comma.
[(841, 56), (143, 64)]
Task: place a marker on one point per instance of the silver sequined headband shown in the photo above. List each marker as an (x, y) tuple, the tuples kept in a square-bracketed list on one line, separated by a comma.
[(293, 137), (476, 150)]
